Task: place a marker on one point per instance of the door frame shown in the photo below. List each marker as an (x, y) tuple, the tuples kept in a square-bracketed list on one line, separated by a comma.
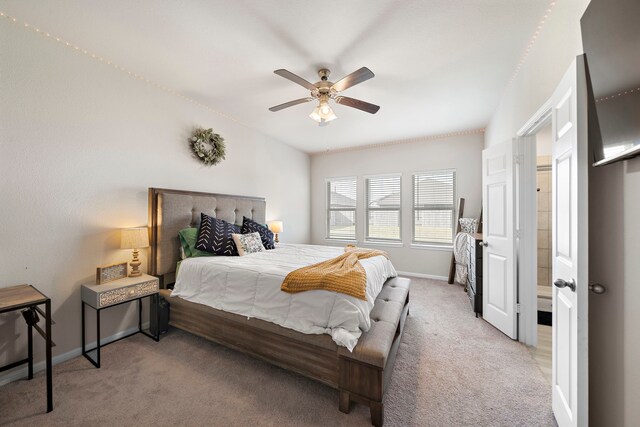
[(527, 235)]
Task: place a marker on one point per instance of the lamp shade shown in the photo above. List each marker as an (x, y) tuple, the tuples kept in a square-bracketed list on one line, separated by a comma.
[(276, 226), (134, 238)]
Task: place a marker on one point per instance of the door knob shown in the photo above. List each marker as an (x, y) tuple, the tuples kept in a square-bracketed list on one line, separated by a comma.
[(483, 243), (597, 288), (560, 283)]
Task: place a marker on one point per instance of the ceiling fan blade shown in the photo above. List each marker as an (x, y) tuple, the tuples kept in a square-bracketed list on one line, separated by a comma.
[(358, 76), (294, 78), (290, 104), (356, 103)]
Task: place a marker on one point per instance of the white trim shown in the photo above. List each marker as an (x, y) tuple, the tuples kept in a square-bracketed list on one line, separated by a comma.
[(431, 247), (383, 175), (329, 240), (422, 171), (540, 119), (394, 244), (527, 261), (423, 275), (22, 373), (527, 241), (340, 178)]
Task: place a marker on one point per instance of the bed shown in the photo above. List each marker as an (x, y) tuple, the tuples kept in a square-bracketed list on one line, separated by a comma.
[(361, 375)]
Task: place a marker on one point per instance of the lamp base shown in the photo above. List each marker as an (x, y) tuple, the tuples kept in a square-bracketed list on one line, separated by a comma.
[(276, 239), (135, 265)]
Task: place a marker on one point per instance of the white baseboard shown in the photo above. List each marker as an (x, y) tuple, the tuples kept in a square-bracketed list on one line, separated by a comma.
[(23, 371), (422, 275)]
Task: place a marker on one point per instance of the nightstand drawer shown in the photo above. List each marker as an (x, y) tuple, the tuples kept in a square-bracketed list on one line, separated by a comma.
[(101, 296), (116, 296)]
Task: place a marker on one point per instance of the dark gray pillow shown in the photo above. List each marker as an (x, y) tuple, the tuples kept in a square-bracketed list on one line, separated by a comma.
[(266, 235), (215, 236)]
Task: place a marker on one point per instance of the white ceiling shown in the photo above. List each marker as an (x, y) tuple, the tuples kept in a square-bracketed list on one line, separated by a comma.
[(440, 65)]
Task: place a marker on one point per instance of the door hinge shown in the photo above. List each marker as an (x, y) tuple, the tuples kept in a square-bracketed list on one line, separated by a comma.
[(518, 308), (517, 234), (518, 158)]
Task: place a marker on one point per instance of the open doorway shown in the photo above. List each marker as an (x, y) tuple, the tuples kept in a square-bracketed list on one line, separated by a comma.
[(541, 351), (536, 237)]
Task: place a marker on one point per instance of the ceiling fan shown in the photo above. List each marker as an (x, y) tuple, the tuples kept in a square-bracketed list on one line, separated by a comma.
[(325, 90)]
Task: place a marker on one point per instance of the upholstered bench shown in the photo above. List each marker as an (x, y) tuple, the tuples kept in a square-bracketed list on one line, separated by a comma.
[(361, 375), (374, 356)]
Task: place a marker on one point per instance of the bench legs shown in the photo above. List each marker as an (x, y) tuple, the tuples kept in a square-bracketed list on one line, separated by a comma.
[(377, 413), (345, 402), (376, 408)]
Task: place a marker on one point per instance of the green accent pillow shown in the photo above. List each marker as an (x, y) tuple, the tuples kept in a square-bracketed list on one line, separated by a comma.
[(188, 237)]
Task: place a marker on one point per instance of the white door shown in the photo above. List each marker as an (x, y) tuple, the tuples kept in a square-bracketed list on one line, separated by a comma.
[(499, 257), (570, 249)]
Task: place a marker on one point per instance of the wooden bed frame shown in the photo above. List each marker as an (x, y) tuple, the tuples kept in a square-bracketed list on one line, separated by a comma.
[(361, 375)]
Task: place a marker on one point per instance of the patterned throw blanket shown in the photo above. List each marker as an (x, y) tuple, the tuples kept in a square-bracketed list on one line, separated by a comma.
[(343, 274)]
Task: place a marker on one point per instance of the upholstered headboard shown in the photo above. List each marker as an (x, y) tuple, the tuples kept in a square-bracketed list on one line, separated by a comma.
[(172, 210)]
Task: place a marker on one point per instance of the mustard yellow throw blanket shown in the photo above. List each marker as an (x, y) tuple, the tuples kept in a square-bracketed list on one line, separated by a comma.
[(343, 274)]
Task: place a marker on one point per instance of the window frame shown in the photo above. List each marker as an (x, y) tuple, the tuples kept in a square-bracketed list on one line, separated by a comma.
[(420, 243), (367, 210), (328, 209)]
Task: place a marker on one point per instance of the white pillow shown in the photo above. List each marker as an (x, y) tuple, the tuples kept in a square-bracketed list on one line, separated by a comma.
[(248, 243)]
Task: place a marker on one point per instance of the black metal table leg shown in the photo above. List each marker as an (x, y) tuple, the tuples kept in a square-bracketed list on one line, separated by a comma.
[(139, 314), (155, 336), (85, 353), (30, 349), (49, 367), (157, 300), (154, 302), (83, 342), (98, 338)]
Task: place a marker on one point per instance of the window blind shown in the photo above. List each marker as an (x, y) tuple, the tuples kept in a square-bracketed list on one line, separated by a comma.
[(434, 207), (341, 208), (383, 207)]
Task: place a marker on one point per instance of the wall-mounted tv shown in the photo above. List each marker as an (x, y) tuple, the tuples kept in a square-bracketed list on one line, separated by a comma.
[(611, 41)]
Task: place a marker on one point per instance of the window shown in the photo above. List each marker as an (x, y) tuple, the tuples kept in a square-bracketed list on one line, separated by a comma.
[(341, 208), (383, 207), (433, 207)]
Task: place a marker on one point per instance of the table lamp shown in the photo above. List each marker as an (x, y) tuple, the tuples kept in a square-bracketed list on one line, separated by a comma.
[(276, 227), (134, 238)]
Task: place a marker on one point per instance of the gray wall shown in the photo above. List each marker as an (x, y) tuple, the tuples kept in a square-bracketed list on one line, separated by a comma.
[(463, 153), (80, 143), (614, 234)]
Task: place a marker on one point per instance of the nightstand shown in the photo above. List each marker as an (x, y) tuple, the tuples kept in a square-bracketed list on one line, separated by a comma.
[(129, 289)]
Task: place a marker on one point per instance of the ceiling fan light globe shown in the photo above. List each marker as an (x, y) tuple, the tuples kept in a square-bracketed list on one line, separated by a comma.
[(315, 115), (331, 116)]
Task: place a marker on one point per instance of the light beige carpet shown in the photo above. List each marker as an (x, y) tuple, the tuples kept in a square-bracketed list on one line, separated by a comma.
[(452, 370)]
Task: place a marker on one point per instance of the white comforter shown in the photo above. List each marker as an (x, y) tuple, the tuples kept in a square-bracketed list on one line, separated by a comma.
[(250, 286)]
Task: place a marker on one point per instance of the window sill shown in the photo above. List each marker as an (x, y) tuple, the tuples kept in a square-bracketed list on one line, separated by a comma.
[(447, 248), (330, 240), (387, 244)]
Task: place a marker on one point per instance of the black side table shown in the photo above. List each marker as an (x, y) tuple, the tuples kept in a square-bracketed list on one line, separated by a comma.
[(29, 298), (116, 293)]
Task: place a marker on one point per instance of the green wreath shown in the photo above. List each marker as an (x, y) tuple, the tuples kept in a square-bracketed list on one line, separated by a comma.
[(207, 146)]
